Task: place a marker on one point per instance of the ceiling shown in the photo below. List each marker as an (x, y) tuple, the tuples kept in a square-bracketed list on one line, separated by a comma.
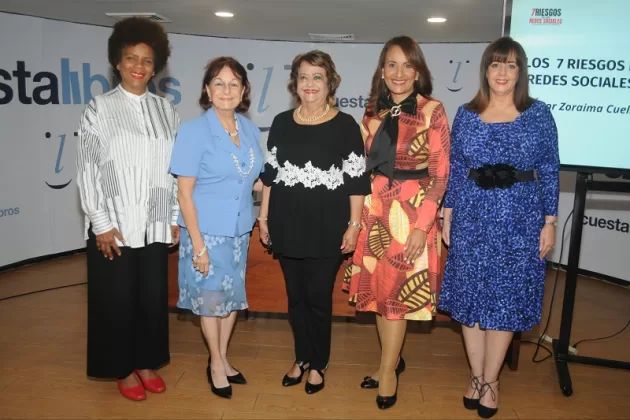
[(371, 21)]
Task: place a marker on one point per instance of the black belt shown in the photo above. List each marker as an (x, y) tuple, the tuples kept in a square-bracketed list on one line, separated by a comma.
[(500, 176), (405, 175)]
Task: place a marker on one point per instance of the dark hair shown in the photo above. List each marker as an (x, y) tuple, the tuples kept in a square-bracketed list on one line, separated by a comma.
[(315, 58), (499, 51), (213, 68), (412, 51), (136, 30)]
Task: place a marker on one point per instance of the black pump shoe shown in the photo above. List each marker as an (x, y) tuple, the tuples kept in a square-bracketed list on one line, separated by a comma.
[(483, 411), (289, 381), (312, 389), (225, 392), (387, 402), (370, 383), (473, 403), (237, 379)]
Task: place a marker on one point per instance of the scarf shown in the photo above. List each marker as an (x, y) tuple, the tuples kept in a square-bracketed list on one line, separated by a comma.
[(382, 156)]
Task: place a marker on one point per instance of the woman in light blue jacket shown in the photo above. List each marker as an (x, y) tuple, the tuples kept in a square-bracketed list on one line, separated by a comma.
[(217, 160)]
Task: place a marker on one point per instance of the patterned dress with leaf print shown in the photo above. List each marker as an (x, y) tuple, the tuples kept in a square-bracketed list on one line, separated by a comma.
[(378, 279)]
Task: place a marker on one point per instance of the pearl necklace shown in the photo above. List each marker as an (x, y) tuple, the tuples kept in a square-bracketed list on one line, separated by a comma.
[(252, 157), (235, 133), (312, 119)]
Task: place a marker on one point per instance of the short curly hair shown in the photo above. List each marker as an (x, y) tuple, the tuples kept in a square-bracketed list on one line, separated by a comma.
[(315, 58), (134, 31), (213, 68)]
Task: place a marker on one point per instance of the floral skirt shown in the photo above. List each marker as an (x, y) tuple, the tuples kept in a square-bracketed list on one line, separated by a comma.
[(222, 291)]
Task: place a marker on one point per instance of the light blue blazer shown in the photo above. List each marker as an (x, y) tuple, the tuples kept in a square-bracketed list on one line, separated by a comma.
[(222, 194)]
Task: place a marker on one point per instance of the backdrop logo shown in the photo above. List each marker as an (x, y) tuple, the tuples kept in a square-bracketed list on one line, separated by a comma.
[(545, 16), (340, 102), (454, 85), (11, 211), (609, 224), (58, 166), (67, 87)]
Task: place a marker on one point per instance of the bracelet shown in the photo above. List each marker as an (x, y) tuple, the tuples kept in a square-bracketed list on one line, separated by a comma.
[(355, 224), (200, 253), (550, 222), (262, 218)]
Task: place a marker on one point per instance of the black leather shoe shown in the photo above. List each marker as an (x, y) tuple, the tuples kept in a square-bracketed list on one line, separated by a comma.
[(312, 389), (225, 392), (289, 381), (387, 402), (483, 411), (370, 383), (473, 403), (237, 379)]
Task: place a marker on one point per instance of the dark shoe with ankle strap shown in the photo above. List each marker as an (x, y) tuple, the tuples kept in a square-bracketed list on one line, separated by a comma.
[(289, 381), (483, 411), (312, 389), (473, 403)]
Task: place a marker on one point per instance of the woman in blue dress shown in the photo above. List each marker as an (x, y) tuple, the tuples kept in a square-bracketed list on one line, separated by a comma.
[(499, 216), (217, 160)]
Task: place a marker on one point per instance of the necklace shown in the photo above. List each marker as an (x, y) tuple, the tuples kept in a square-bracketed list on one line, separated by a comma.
[(238, 164), (235, 133), (312, 119)]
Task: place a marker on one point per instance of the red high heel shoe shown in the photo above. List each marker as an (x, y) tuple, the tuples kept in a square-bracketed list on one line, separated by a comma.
[(155, 385), (135, 393)]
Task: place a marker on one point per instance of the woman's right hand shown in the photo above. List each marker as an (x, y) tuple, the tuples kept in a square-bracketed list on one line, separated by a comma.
[(202, 263), (106, 243), (263, 230), (447, 215)]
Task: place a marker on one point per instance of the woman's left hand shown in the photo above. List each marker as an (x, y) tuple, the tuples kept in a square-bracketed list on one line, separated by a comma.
[(175, 231), (547, 240), (349, 242), (414, 247)]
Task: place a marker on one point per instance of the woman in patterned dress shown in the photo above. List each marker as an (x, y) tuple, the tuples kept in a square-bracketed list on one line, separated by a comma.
[(217, 160), (499, 216), (395, 268)]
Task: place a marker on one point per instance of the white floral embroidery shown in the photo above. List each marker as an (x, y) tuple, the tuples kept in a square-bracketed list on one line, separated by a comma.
[(311, 176), (270, 157), (354, 165)]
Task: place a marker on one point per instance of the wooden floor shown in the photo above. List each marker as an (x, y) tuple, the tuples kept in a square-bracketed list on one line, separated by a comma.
[(42, 364)]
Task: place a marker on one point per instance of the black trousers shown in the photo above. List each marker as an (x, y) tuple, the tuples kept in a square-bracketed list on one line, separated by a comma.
[(310, 283), (127, 310)]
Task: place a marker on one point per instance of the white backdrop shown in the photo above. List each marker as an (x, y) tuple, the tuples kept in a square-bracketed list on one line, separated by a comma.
[(49, 69)]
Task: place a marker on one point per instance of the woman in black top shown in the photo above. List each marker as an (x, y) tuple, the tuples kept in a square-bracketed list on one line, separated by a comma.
[(315, 184)]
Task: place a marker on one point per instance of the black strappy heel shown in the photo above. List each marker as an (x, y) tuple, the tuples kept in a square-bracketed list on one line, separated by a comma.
[(311, 388), (473, 403), (483, 411), (289, 381)]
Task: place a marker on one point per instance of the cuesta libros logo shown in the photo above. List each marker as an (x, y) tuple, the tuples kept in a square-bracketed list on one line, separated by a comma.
[(67, 86), (454, 86), (58, 166), (545, 16)]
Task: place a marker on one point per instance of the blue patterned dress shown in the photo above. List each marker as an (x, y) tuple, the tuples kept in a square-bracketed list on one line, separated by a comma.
[(493, 274)]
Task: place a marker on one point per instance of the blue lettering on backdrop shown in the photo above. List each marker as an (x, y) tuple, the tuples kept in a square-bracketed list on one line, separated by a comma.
[(73, 92)]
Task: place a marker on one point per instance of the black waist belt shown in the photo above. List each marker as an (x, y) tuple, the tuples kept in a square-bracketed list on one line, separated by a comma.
[(404, 175), (500, 176)]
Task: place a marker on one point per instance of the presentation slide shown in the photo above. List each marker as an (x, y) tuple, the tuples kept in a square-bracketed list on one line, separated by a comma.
[(579, 64)]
